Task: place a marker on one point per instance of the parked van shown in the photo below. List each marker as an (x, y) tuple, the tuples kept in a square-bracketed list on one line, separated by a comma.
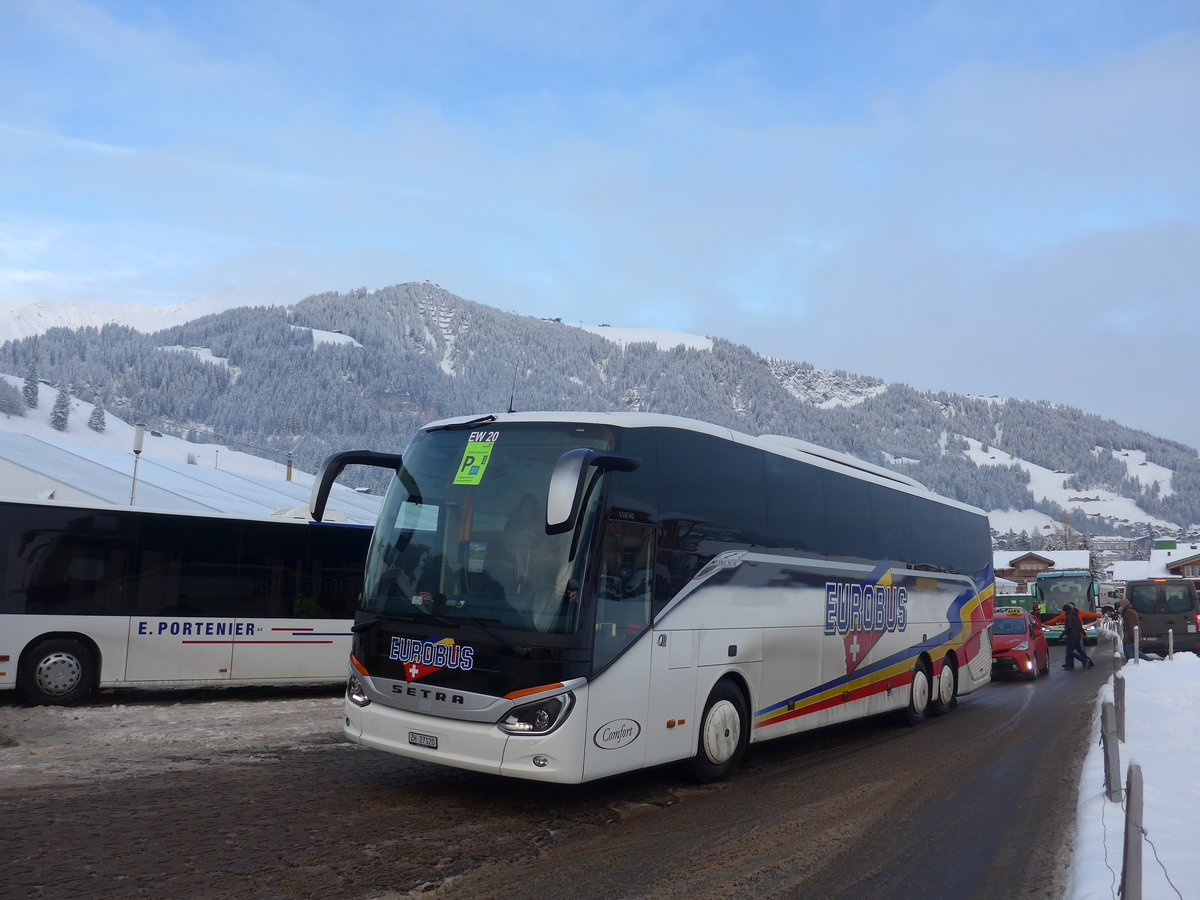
[(1164, 604)]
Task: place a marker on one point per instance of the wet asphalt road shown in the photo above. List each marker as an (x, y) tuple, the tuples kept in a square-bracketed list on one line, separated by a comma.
[(976, 804)]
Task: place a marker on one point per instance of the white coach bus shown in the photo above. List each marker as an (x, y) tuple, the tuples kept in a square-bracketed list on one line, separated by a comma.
[(104, 597), (563, 597)]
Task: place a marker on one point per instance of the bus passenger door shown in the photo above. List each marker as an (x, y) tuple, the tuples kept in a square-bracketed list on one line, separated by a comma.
[(618, 696), (671, 724)]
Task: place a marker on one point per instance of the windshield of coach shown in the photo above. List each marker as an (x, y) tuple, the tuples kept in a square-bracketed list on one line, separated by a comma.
[(1058, 591), (462, 532)]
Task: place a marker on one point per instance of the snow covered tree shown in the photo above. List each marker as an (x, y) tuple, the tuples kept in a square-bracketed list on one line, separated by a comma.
[(61, 410), (11, 403), (30, 389), (96, 420)]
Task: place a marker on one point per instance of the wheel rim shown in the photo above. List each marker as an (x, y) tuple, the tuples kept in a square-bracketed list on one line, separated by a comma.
[(946, 685), (920, 691), (722, 732), (58, 674)]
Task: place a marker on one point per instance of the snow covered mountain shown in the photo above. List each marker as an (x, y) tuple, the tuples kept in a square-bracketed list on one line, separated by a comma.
[(365, 369)]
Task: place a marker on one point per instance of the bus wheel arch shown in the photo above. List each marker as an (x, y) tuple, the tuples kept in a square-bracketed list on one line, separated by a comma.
[(58, 669), (723, 733), (944, 690)]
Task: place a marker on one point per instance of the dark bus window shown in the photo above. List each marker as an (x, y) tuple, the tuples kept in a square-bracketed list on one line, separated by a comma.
[(338, 554), (890, 524), (712, 498), (65, 561), (976, 544), (189, 566), (848, 519), (795, 506), (274, 578)]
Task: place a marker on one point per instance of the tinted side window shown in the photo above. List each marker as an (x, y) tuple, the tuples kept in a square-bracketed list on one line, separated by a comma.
[(189, 567), (890, 523), (65, 561), (848, 519), (711, 499), (795, 506)]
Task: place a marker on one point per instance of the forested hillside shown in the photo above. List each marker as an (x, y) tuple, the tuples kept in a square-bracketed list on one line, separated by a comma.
[(412, 353)]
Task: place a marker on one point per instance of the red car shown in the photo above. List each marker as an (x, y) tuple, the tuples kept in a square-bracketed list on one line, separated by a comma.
[(1019, 644)]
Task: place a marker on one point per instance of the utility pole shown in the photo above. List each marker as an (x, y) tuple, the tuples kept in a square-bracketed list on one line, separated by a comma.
[(139, 433)]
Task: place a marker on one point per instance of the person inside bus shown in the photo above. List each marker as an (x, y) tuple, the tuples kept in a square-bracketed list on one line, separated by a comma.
[(1073, 636)]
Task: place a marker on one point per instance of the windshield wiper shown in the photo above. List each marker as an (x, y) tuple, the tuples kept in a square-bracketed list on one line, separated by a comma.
[(478, 421)]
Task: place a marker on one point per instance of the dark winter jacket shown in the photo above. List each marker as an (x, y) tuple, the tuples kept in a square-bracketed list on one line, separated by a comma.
[(1072, 627), (1129, 618)]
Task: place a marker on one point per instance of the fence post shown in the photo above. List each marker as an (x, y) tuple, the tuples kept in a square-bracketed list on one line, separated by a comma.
[(1137, 643), (1119, 704), (1118, 653), (1112, 751), (1170, 643), (1131, 867)]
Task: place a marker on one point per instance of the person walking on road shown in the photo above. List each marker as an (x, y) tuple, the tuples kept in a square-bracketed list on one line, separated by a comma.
[(1073, 635)]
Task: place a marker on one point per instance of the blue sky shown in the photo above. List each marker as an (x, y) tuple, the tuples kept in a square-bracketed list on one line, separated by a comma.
[(986, 197)]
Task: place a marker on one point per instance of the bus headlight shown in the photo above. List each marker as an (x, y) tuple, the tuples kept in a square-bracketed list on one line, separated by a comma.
[(355, 693), (539, 717)]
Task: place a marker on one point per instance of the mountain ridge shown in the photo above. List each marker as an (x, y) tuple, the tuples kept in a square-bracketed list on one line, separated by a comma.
[(366, 368)]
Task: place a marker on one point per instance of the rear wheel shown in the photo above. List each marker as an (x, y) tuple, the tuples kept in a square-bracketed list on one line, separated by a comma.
[(56, 672), (918, 698), (724, 733), (945, 690)]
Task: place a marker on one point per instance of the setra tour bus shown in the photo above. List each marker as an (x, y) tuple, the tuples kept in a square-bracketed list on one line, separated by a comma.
[(566, 596), (104, 597)]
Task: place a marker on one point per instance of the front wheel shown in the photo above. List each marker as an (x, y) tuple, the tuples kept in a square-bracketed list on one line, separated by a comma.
[(57, 672), (724, 733)]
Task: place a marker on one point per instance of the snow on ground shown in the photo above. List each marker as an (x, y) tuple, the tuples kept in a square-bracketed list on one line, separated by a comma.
[(145, 733), (328, 337), (664, 340), (1046, 484), (118, 435), (1144, 471), (1162, 728)]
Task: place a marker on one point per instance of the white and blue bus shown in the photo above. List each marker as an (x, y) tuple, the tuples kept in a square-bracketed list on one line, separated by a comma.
[(104, 597), (566, 596)]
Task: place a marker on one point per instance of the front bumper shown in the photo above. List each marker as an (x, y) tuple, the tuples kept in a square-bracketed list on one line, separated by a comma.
[(478, 746), (1014, 662)]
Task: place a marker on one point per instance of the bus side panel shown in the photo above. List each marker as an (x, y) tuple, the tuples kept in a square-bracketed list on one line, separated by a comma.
[(281, 649), (177, 649), (617, 706)]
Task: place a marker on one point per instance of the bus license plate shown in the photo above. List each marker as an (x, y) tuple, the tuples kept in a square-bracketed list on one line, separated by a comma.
[(427, 741)]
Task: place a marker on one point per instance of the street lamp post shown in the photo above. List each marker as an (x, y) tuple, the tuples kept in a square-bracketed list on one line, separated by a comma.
[(139, 433)]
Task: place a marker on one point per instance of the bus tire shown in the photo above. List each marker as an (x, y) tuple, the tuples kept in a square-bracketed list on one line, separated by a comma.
[(724, 733), (56, 672), (945, 689), (918, 696)]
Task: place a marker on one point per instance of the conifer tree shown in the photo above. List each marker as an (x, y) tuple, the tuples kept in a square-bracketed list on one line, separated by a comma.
[(96, 420), (30, 389), (61, 410)]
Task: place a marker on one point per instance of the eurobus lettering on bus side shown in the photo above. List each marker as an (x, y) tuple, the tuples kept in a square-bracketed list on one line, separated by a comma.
[(565, 596)]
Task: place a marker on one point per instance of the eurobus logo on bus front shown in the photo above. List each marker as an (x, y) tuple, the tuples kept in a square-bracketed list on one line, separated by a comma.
[(428, 656)]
